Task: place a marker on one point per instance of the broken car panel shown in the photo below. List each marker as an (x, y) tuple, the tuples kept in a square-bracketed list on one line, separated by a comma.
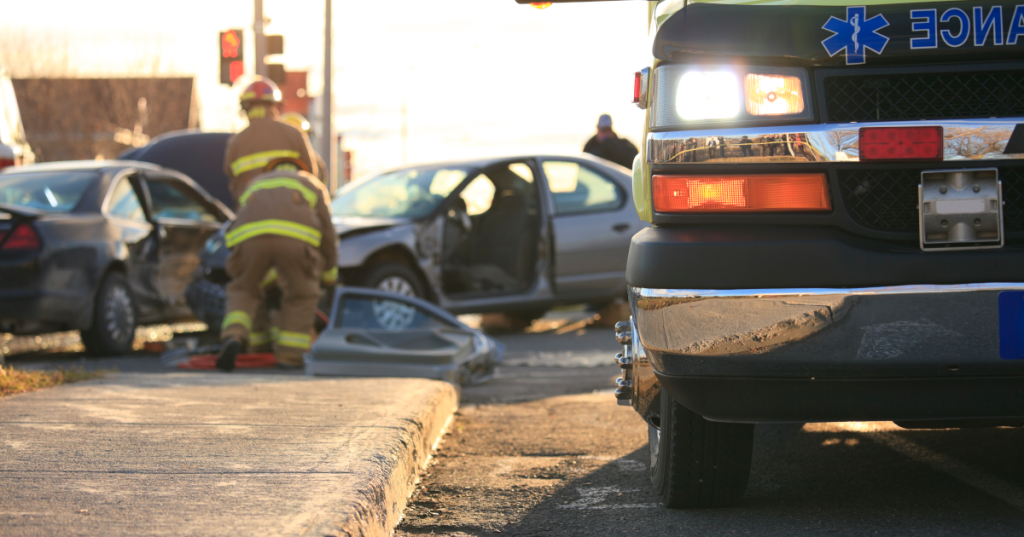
[(378, 334)]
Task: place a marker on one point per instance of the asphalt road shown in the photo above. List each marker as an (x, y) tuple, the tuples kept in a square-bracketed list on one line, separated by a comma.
[(538, 452), (543, 449)]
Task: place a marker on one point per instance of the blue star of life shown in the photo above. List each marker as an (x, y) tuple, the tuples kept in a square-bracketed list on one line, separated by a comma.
[(855, 34)]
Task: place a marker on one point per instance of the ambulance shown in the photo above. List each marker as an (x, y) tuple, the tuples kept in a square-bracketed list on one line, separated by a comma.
[(836, 195)]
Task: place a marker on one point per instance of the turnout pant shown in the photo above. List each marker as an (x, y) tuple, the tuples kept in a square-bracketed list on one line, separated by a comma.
[(298, 266)]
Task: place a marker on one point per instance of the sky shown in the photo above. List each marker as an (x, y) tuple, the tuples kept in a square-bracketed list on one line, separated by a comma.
[(478, 77)]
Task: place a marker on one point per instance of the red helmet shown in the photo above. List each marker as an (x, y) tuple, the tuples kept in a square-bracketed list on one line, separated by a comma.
[(261, 91)]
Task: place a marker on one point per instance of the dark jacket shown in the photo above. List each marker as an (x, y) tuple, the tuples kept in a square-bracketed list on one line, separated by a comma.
[(618, 150)]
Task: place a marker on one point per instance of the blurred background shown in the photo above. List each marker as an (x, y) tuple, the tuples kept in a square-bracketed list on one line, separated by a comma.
[(414, 81)]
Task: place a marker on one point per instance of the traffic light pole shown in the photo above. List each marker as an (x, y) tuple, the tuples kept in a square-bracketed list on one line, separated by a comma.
[(327, 133), (261, 42)]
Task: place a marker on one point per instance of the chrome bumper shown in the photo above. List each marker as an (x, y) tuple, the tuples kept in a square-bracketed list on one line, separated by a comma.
[(922, 330), (974, 139)]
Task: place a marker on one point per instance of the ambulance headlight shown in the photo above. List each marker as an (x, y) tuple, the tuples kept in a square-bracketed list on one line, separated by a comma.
[(708, 95), (690, 96)]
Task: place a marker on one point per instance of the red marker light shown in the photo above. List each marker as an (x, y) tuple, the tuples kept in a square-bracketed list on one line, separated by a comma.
[(638, 83), (22, 238), (901, 143)]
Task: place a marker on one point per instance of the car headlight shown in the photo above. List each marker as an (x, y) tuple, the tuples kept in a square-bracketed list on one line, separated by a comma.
[(688, 95)]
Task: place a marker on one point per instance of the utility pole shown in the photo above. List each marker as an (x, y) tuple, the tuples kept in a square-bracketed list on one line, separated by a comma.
[(327, 133), (261, 41)]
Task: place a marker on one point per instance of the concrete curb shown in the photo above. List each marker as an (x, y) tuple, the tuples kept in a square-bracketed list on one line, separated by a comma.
[(376, 506)]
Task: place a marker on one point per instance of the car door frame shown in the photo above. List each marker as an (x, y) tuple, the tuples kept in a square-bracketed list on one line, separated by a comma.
[(175, 306), (540, 293), (137, 255)]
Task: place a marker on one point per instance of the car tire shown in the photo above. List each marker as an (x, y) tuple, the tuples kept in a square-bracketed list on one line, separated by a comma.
[(696, 462), (394, 278), (114, 318)]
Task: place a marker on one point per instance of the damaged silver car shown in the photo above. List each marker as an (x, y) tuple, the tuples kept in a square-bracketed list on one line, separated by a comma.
[(377, 334), (517, 235)]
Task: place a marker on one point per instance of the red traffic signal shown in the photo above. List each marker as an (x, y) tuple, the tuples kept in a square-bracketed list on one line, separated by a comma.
[(232, 61)]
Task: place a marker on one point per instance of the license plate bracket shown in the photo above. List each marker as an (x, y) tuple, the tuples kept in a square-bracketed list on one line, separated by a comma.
[(961, 209)]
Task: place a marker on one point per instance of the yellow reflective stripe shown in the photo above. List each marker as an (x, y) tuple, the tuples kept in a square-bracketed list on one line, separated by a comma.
[(248, 95), (329, 275), (272, 227), (274, 333), (259, 338), (237, 317), (270, 278), (260, 160), (295, 340), (278, 182)]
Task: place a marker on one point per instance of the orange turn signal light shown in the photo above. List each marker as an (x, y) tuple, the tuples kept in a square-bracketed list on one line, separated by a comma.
[(741, 193)]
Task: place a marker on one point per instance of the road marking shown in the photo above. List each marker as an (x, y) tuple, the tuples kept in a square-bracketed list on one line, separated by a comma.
[(884, 433)]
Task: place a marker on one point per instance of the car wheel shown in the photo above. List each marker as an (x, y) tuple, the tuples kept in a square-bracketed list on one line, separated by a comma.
[(207, 300), (394, 278), (114, 320), (696, 462)]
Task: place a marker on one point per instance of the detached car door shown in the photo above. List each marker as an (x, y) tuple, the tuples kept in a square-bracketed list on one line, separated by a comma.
[(184, 220), (593, 225)]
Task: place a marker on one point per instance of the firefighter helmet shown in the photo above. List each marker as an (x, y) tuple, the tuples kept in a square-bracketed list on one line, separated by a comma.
[(296, 120), (262, 91)]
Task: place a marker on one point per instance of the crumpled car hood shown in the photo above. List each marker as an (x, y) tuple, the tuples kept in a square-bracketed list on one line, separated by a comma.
[(350, 225)]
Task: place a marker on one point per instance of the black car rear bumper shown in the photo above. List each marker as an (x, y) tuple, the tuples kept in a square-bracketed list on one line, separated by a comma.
[(35, 297)]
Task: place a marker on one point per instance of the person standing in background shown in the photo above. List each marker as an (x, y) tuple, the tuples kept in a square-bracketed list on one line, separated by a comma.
[(607, 145)]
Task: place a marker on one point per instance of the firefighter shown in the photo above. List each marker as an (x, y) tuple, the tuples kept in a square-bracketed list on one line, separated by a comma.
[(284, 226), (264, 140), (300, 122)]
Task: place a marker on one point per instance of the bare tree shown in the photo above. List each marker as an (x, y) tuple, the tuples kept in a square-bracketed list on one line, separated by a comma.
[(976, 142)]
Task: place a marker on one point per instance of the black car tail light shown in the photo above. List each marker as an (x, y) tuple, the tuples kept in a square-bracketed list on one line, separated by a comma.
[(21, 238)]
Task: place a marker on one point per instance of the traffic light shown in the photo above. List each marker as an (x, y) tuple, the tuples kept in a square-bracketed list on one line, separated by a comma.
[(231, 60), (275, 45)]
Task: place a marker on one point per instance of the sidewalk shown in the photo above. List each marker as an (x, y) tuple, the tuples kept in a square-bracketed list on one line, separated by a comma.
[(216, 454)]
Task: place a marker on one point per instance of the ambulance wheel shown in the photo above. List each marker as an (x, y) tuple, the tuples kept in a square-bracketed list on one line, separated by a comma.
[(394, 278), (114, 319), (696, 462)]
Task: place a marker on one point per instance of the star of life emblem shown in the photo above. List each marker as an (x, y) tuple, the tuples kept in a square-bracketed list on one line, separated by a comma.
[(855, 35)]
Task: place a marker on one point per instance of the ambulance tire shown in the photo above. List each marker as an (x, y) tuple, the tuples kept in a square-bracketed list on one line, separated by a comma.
[(394, 278), (698, 463), (114, 318)]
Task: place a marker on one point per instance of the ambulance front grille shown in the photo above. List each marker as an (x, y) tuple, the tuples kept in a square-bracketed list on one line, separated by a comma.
[(913, 96), (886, 200)]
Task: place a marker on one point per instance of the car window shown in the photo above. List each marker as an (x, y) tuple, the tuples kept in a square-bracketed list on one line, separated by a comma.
[(578, 189), (478, 195), (409, 193), (371, 313), (49, 191), (124, 203), (174, 200)]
